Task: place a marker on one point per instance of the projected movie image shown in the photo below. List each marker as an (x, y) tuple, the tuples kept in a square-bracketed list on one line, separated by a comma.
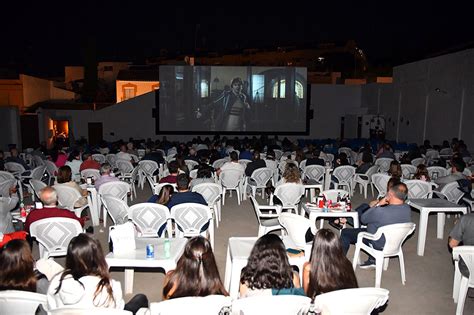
[(219, 99)]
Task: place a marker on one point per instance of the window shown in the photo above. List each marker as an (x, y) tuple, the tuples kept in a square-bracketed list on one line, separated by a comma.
[(129, 91), (258, 85), (279, 89), (299, 90), (204, 88)]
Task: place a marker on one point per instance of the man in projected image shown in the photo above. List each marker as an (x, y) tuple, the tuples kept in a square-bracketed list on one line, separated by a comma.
[(230, 108)]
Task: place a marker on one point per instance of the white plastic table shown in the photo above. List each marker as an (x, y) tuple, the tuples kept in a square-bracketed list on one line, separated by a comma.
[(137, 257), (315, 213), (425, 206), (93, 201), (238, 251)]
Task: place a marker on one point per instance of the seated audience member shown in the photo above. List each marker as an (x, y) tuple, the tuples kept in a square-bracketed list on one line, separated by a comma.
[(315, 159), (164, 196), (173, 169), (49, 198), (385, 151), (14, 157), (64, 178), (196, 272), (328, 269), (390, 210), (255, 164), (422, 173), (268, 271), (105, 176), (233, 164), (463, 234), (7, 204), (395, 170), (290, 175), (365, 163), (89, 163), (131, 149), (86, 281), (457, 167), (182, 167), (74, 162), (124, 155), (246, 154), (184, 195), (155, 156), (204, 175), (59, 157)]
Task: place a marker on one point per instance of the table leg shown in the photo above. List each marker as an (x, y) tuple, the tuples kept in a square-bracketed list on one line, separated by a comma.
[(420, 249), (128, 280), (228, 270), (356, 221), (441, 222)]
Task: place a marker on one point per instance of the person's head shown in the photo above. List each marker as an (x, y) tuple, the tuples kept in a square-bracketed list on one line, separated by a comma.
[(316, 152), (330, 270), (397, 194), (182, 181), (268, 266), (123, 148), (86, 156), (291, 173), (236, 85), (256, 155), (17, 267), (342, 159), (165, 194), (271, 155), (14, 152), (105, 169), (234, 157), (64, 174), (367, 157), (48, 196), (395, 170), (422, 170), (196, 272), (204, 171), (458, 165), (74, 155), (173, 167), (393, 181), (85, 257)]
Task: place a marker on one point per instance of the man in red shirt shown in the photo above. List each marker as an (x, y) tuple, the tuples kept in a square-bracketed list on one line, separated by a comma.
[(89, 162), (49, 198)]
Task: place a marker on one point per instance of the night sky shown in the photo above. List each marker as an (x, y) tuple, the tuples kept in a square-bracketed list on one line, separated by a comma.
[(42, 37)]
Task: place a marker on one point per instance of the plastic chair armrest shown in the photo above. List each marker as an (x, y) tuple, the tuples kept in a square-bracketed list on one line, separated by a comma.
[(365, 235)]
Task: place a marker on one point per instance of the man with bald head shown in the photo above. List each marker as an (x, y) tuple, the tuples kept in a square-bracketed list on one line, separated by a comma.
[(49, 198)]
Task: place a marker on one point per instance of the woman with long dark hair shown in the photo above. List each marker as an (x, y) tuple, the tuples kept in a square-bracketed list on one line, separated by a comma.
[(268, 271), (328, 268), (17, 267), (196, 272), (86, 282)]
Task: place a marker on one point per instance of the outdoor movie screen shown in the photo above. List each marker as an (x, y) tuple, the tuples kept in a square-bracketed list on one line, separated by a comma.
[(232, 100)]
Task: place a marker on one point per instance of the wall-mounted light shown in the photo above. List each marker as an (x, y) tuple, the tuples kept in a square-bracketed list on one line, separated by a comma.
[(440, 91)]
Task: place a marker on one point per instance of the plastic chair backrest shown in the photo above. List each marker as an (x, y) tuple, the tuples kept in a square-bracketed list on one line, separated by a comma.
[(438, 170), (149, 218), (100, 158), (191, 217), (67, 196), (231, 178), (418, 189), (408, 170), (124, 166), (276, 304), (467, 254), (90, 172), (314, 172), (395, 235), (344, 173), (20, 302), (384, 164), (6, 175), (116, 207), (218, 163), (210, 191), (356, 301), (197, 305), (118, 189), (37, 185), (15, 168), (112, 159), (262, 176), (380, 182), (417, 161), (51, 168), (38, 172), (296, 227), (290, 193), (148, 167), (5, 186), (331, 194)]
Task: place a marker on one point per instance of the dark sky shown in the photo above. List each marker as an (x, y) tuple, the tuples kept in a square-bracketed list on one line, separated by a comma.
[(45, 36)]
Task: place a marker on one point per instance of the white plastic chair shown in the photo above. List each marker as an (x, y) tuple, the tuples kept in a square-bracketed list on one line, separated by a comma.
[(150, 218), (67, 198), (418, 189), (364, 180), (360, 301), (331, 194), (191, 164), (52, 171), (36, 186), (290, 195), (54, 234), (231, 180), (417, 161), (196, 305), (380, 182), (450, 192), (260, 178), (218, 163), (345, 175), (314, 172), (212, 193), (100, 158), (384, 164), (190, 218), (461, 284), (146, 168), (129, 174), (112, 160), (84, 311), (408, 170), (21, 302), (296, 227), (16, 169), (268, 218), (395, 235), (117, 189), (117, 208), (244, 162), (275, 305), (90, 172), (157, 187)]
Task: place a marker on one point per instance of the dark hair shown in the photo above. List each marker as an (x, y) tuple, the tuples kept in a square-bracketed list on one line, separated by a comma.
[(256, 155), (292, 173), (459, 164), (85, 257), (173, 167), (182, 181), (204, 171), (395, 170), (330, 269), (400, 190), (73, 155), (268, 266), (16, 267), (236, 80), (421, 170), (165, 194), (367, 157), (64, 174), (196, 272), (234, 156), (392, 181), (86, 155)]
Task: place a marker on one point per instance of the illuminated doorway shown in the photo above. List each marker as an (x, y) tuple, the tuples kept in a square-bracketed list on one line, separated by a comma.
[(59, 132)]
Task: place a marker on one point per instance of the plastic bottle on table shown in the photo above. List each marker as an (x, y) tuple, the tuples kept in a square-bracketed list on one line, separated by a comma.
[(167, 247), (22, 209)]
